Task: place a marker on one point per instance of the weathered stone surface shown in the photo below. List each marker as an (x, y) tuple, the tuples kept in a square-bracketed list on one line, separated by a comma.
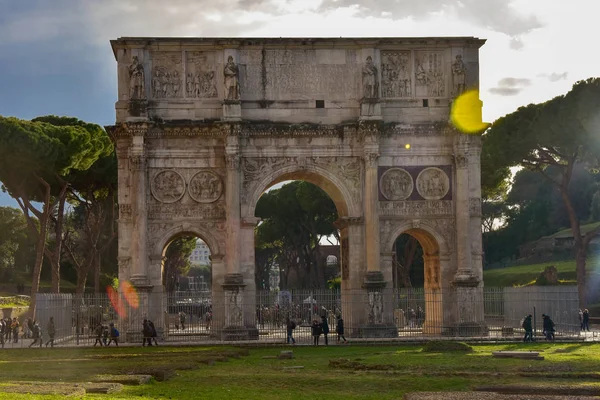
[(204, 126)]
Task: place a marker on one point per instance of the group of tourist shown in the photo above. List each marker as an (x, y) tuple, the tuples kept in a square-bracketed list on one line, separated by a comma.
[(547, 326), (317, 329), (9, 331), (105, 335)]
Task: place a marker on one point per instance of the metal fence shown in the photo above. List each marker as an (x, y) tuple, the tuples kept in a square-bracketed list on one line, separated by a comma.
[(387, 315)]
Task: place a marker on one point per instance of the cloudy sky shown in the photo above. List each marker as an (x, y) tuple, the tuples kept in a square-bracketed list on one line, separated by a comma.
[(55, 56)]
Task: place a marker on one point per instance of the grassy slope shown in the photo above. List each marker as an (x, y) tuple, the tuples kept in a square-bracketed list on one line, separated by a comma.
[(253, 377), (524, 274)]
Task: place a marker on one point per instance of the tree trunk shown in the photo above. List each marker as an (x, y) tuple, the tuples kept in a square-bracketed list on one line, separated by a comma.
[(97, 264), (58, 231), (580, 267), (39, 260)]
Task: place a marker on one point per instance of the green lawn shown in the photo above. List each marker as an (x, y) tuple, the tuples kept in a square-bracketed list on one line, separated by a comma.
[(584, 229), (526, 274), (335, 372)]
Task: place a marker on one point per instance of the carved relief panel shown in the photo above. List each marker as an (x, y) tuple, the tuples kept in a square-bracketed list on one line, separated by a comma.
[(201, 79), (396, 184), (412, 183), (205, 187), (167, 75), (433, 183), (430, 77), (396, 74), (167, 186)]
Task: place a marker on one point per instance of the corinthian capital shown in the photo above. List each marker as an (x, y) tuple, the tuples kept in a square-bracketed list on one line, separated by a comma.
[(137, 162), (371, 159)]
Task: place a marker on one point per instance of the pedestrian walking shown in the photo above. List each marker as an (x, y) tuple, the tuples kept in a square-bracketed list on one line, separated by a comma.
[(316, 331), (15, 329), (182, 320), (146, 333), (527, 325), (153, 332), (51, 332), (290, 325), (339, 329), (548, 326), (37, 334), (114, 335), (325, 328), (99, 330), (585, 322)]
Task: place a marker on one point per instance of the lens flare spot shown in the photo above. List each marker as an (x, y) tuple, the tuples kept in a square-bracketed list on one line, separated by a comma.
[(115, 301), (407, 146), (466, 113), (130, 294)]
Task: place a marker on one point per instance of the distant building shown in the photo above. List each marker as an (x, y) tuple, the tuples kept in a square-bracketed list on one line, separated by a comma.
[(200, 255)]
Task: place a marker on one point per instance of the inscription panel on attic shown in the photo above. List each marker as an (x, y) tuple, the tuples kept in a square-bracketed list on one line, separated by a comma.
[(294, 74)]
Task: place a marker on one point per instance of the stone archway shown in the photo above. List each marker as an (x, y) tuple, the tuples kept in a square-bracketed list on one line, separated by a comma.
[(205, 125), (435, 257)]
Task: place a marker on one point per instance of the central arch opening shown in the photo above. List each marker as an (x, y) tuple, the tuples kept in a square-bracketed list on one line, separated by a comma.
[(298, 254)]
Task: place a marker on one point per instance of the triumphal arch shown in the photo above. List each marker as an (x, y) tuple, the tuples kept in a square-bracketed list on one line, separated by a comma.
[(205, 125)]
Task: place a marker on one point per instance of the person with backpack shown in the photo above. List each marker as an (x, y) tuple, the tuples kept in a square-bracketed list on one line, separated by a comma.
[(114, 335), (291, 325), (548, 327), (527, 325), (37, 334), (339, 329)]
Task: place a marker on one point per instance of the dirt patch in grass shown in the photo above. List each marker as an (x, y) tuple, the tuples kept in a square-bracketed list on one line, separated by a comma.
[(442, 347), (343, 363), (39, 388)]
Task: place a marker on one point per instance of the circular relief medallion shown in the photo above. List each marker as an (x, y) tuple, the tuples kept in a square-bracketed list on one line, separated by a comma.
[(396, 184), (168, 186), (433, 183), (205, 187)]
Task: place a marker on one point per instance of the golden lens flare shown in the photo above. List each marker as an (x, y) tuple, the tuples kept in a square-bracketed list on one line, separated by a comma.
[(407, 146), (466, 113), (115, 301), (130, 294)]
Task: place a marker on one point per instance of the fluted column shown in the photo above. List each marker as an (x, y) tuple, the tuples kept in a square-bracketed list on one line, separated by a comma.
[(137, 170), (463, 223)]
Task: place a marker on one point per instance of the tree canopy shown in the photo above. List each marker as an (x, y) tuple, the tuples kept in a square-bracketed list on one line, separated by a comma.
[(553, 139), (294, 220), (36, 160)]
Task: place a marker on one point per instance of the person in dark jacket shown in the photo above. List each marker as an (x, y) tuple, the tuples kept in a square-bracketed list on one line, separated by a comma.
[(146, 333), (290, 326), (585, 320), (37, 334), (51, 332), (339, 329), (548, 327), (316, 331), (153, 332), (325, 328), (528, 329)]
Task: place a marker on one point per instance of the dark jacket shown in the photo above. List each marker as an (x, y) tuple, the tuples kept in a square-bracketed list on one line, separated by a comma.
[(548, 324), (152, 329), (325, 326), (316, 328), (586, 317), (291, 325), (340, 326), (527, 324)]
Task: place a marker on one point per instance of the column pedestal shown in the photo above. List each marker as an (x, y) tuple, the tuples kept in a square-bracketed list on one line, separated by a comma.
[(235, 326), (232, 110), (469, 302), (380, 308)]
